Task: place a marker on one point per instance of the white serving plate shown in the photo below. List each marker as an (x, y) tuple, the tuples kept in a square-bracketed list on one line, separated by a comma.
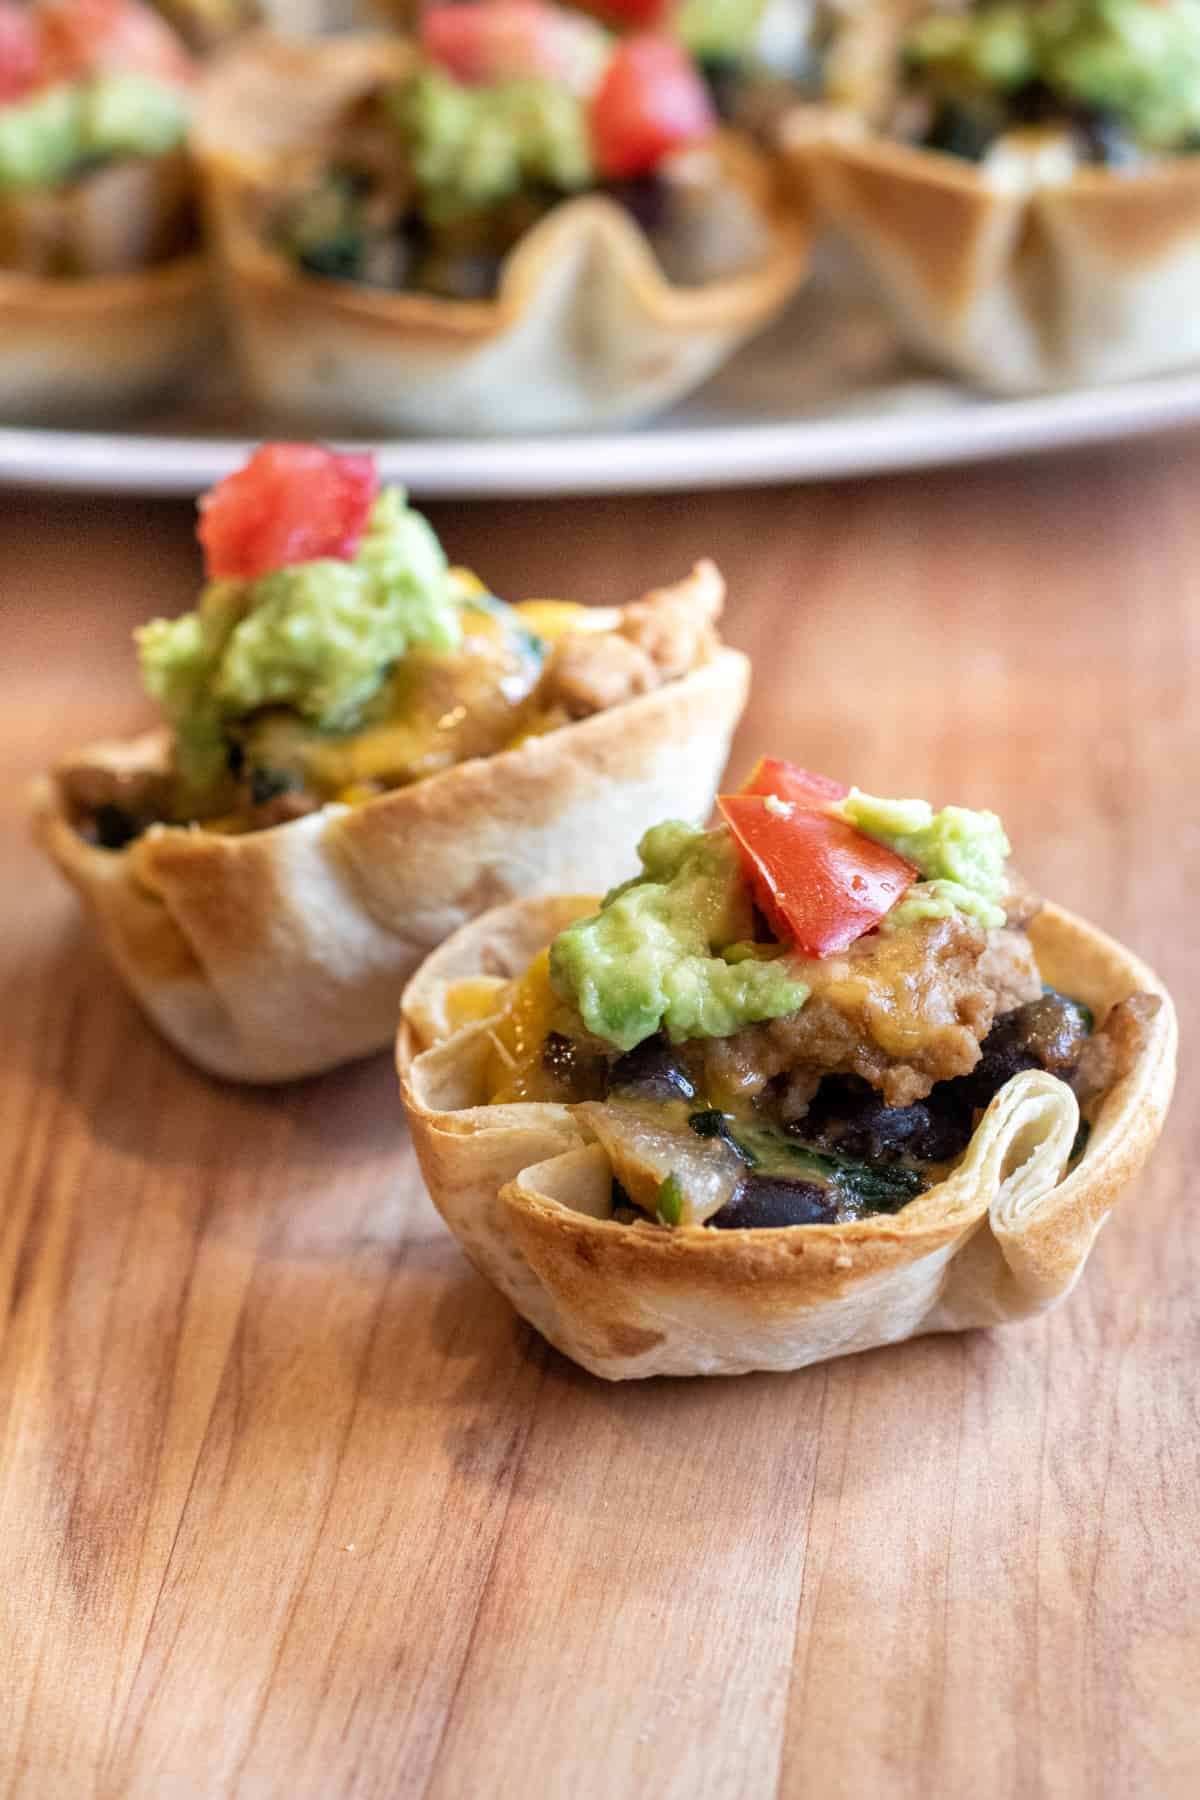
[(804, 402)]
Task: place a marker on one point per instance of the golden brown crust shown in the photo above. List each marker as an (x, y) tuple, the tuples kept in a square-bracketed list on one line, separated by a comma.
[(282, 952), (99, 345), (1018, 283), (584, 328), (1004, 1237)]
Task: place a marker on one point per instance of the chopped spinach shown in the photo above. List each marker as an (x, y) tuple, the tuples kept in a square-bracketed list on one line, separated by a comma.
[(529, 642), (715, 1124), (323, 229)]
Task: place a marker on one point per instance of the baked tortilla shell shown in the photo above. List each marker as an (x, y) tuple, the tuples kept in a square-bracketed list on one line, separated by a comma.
[(1004, 1237), (1019, 286), (75, 349), (585, 328), (281, 952)]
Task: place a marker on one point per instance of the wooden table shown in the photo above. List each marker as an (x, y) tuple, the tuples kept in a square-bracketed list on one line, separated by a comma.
[(290, 1505)]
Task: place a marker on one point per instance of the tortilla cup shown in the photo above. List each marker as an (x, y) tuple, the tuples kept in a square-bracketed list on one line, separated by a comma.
[(585, 328), (1009, 275), (526, 1194), (95, 347), (284, 951)]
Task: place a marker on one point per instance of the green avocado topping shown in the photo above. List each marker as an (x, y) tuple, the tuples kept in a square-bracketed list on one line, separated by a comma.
[(653, 957), (318, 638), (50, 137), (958, 854), (474, 147), (719, 29), (1138, 60)]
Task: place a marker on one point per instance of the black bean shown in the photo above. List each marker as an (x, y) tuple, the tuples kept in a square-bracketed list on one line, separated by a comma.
[(1103, 139), (1035, 104), (652, 1071), (764, 1201), (268, 784), (645, 198), (623, 1209), (961, 131), (1048, 1033), (113, 827), (560, 1056), (338, 259), (579, 1072), (723, 76), (848, 1116), (951, 1122), (1054, 1029)]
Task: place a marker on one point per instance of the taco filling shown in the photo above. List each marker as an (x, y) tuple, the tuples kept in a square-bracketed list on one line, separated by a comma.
[(94, 105), (427, 184), (334, 655), (799, 1016), (1109, 82)]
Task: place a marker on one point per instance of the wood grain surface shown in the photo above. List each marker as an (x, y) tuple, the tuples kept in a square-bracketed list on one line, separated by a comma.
[(290, 1505)]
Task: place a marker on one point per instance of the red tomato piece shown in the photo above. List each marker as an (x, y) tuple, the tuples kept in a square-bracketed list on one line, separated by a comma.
[(819, 883), (20, 51), (291, 503), (788, 781), (651, 101), (632, 15), (80, 37), (512, 38)]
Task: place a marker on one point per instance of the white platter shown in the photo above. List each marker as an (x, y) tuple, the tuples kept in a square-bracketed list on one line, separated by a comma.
[(802, 403)]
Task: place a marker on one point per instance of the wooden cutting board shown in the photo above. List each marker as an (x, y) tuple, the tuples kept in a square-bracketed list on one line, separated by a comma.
[(290, 1504)]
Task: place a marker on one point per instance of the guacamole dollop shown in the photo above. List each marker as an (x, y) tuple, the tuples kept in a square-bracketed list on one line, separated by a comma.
[(669, 950), (318, 638), (49, 137), (719, 28), (473, 147), (1136, 59), (959, 855)]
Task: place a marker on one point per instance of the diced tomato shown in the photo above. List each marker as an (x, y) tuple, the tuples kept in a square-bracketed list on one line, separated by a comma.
[(20, 51), (819, 883), (788, 781), (80, 37), (632, 15), (651, 101), (291, 503), (512, 38)]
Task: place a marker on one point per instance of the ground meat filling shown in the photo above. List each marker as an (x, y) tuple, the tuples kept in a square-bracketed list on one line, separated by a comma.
[(902, 1011), (473, 703), (659, 639)]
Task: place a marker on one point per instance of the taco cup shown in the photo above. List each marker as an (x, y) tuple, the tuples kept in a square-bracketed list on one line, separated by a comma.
[(1032, 232), (953, 1201), (104, 296), (548, 308), (332, 802)]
